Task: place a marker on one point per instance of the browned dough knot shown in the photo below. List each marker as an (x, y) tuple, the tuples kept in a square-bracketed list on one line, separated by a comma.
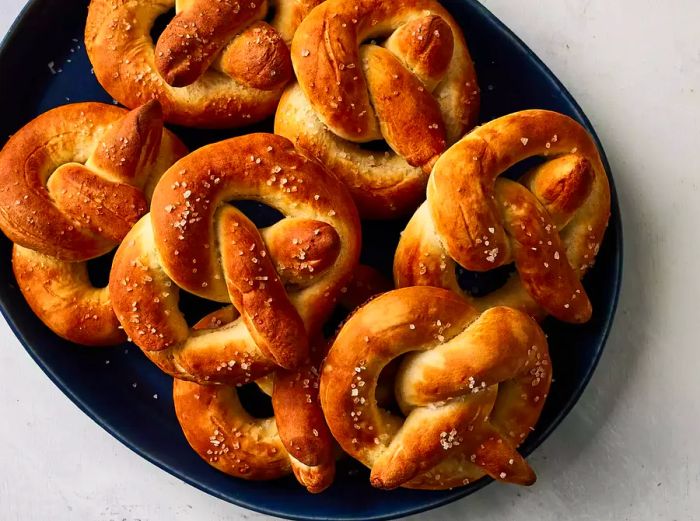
[(75, 180), (373, 70), (471, 386), (216, 64), (550, 224), (283, 280)]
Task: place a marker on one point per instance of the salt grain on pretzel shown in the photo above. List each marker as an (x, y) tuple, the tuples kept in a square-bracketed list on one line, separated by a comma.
[(296, 439)]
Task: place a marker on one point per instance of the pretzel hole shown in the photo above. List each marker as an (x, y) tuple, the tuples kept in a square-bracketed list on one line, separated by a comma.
[(271, 12), (385, 396), (261, 214), (161, 23), (255, 402), (98, 270), (521, 168), (481, 284), (378, 146), (377, 37), (195, 308)]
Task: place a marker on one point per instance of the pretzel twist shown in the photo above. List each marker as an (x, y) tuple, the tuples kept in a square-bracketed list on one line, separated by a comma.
[(416, 90), (224, 434), (296, 439), (472, 386), (75, 180), (550, 224), (216, 64), (283, 280)]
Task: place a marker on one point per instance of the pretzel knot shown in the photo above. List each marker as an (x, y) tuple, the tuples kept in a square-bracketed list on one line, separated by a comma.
[(75, 180), (225, 435), (216, 64), (472, 386), (296, 439), (416, 90), (550, 224), (283, 280)]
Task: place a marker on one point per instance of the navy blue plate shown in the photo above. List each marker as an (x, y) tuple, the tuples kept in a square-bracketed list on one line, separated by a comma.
[(43, 64)]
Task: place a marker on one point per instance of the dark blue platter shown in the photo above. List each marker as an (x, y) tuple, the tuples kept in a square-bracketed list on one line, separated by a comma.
[(43, 64)]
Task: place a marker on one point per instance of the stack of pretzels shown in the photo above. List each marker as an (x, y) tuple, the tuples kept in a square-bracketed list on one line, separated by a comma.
[(375, 104)]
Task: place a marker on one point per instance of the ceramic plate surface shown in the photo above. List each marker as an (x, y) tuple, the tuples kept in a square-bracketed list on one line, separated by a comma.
[(43, 64)]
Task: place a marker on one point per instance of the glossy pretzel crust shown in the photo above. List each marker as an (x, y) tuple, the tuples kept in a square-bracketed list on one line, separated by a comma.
[(280, 278), (216, 65), (222, 432), (75, 180)]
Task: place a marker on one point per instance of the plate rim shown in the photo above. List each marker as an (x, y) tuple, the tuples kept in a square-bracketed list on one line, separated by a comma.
[(617, 267)]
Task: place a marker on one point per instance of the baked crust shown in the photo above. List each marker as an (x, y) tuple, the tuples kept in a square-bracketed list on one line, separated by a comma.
[(296, 439), (194, 240)]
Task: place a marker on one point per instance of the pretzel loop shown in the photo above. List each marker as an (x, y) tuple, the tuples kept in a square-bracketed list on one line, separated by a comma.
[(472, 386), (78, 178), (283, 280), (550, 224), (297, 439), (216, 64), (415, 88), (227, 437)]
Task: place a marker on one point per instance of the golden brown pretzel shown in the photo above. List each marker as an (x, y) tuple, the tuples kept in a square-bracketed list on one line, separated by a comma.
[(221, 431), (74, 181), (284, 280), (417, 91), (472, 388), (296, 439), (217, 63), (550, 224)]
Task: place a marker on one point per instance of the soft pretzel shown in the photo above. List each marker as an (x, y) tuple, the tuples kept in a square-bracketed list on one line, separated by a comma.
[(417, 90), (216, 64), (472, 386), (550, 224), (74, 181), (221, 431), (296, 439), (283, 280)]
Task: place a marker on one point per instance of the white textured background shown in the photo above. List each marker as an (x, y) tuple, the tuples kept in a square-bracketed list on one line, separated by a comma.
[(630, 450)]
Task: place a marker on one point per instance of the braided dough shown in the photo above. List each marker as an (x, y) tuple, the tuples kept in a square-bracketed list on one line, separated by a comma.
[(417, 90), (74, 181), (283, 280), (550, 224), (217, 63), (472, 386)]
